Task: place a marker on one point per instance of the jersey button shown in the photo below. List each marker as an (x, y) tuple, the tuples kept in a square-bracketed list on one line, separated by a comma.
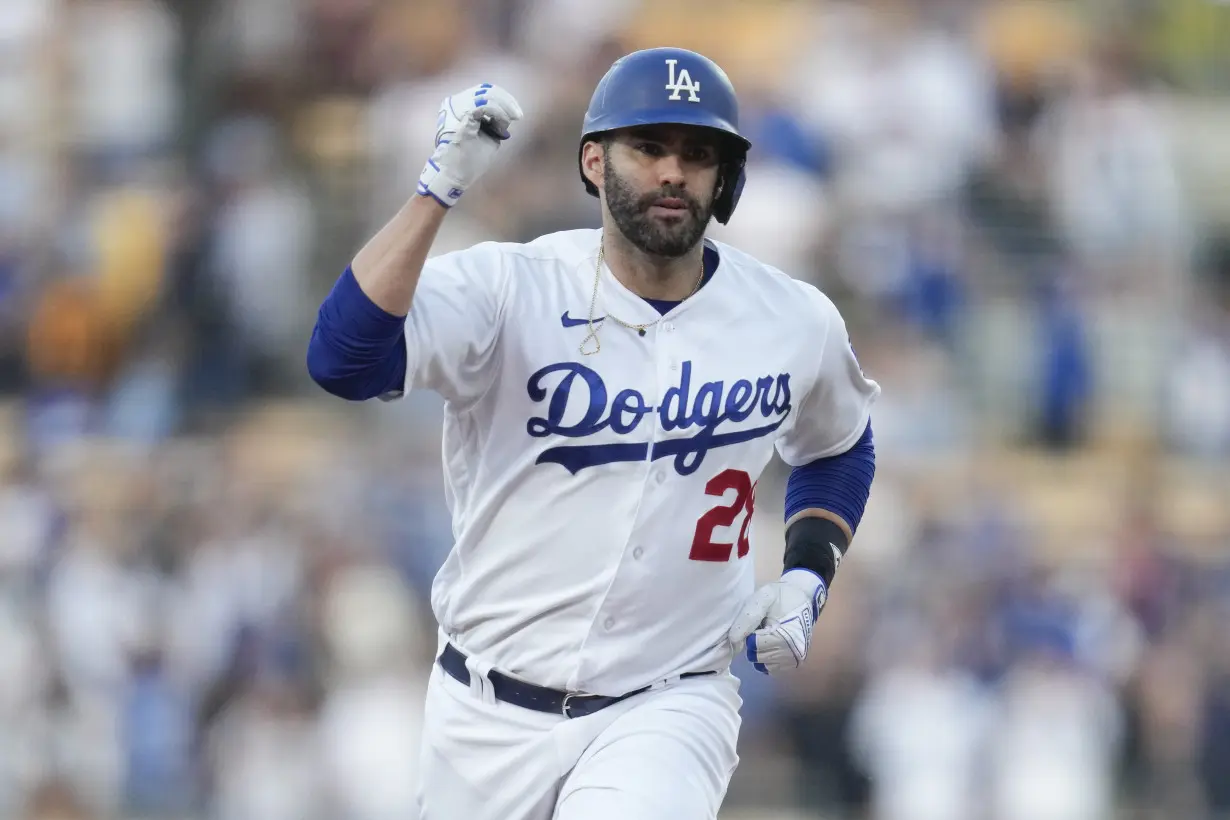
[(660, 477), (638, 552), (609, 624)]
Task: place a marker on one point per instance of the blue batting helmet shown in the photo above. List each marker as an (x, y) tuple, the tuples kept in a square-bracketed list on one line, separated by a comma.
[(672, 86)]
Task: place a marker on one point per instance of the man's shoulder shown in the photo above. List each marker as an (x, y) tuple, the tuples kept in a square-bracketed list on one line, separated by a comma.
[(562, 246), (786, 291)]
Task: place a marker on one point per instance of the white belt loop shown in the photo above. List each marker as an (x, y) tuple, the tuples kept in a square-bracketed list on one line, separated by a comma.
[(480, 684), (665, 682)]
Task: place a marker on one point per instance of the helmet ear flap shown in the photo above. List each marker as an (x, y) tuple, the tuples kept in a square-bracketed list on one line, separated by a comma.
[(729, 189)]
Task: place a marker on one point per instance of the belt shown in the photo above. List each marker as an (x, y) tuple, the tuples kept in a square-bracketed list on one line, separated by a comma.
[(538, 698)]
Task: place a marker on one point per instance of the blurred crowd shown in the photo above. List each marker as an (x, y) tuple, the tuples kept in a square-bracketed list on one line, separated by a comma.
[(213, 577)]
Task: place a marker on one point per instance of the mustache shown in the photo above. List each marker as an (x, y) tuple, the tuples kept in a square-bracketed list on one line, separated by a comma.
[(646, 202)]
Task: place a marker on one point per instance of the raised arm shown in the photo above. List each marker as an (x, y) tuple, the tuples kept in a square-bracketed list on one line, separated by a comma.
[(359, 348)]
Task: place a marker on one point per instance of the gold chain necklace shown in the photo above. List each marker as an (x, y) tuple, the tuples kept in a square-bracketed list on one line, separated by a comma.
[(641, 328)]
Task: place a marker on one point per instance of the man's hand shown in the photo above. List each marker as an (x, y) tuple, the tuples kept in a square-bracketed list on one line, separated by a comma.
[(777, 621), (471, 126)]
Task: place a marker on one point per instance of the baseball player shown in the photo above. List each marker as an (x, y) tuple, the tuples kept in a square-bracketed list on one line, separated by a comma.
[(612, 397)]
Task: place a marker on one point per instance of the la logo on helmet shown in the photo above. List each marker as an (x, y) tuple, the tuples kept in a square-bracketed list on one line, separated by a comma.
[(677, 85)]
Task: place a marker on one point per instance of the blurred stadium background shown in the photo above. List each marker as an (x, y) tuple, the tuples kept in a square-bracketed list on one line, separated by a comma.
[(213, 577)]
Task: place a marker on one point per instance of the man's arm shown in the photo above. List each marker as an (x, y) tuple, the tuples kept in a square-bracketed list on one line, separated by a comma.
[(388, 267), (472, 124), (831, 450), (824, 504), (825, 501), (358, 348)]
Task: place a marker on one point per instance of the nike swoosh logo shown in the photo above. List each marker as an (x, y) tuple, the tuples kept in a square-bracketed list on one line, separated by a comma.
[(568, 321)]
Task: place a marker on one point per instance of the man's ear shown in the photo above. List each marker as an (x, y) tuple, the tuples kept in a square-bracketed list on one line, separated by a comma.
[(592, 155)]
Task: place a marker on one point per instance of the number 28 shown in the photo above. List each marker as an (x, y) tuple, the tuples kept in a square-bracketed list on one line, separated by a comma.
[(703, 546)]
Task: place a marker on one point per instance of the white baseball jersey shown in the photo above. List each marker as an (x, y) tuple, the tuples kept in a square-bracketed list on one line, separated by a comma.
[(601, 503)]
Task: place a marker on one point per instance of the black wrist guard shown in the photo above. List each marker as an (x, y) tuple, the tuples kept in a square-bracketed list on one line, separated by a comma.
[(817, 544)]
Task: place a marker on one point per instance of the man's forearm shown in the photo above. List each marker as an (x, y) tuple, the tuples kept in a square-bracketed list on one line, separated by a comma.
[(357, 350), (824, 505), (388, 267), (828, 515)]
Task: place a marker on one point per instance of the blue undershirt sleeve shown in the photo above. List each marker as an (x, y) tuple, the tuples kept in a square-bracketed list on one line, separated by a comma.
[(840, 484), (357, 350)]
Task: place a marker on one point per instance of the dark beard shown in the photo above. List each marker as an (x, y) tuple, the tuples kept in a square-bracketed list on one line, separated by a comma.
[(631, 215)]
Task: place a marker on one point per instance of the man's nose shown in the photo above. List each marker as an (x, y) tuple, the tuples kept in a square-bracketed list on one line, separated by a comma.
[(670, 171)]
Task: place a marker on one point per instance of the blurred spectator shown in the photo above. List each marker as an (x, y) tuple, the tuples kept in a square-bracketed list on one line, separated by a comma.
[(256, 38), (1065, 365), (264, 756), (1113, 176), (1213, 720), (158, 725), (1056, 739), (121, 64), (55, 800), (903, 104), (1169, 694), (1197, 389), (371, 720), (919, 729), (260, 258)]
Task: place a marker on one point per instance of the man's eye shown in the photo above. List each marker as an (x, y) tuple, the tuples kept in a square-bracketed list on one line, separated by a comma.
[(653, 149), (698, 154)]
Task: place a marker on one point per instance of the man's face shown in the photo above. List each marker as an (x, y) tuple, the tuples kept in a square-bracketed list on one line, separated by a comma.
[(660, 183)]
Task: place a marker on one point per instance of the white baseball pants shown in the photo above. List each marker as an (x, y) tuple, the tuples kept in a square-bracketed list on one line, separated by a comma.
[(666, 754)]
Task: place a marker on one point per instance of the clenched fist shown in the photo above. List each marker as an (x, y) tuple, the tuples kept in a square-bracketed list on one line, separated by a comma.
[(472, 124), (777, 621)]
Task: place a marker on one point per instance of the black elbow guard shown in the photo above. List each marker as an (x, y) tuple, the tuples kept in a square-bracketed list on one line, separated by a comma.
[(815, 544)]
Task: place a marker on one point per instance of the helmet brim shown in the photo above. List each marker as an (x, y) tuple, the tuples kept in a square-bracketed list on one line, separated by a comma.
[(598, 126)]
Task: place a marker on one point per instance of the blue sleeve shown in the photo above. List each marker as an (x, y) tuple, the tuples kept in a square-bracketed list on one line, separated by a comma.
[(357, 350), (840, 484)]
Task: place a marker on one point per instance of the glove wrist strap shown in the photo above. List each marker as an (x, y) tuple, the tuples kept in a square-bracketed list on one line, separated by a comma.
[(435, 183), (810, 583)]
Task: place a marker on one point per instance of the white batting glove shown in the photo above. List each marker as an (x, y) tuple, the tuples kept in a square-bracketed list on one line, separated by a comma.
[(471, 126), (777, 621)]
